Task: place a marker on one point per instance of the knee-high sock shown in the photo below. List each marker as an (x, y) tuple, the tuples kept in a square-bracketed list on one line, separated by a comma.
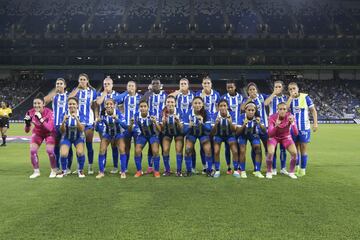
[(179, 158), (51, 154), (166, 160), (282, 156), (34, 158), (102, 161), (217, 166), (123, 158), (227, 154), (274, 159), (156, 163), (304, 159), (242, 166), (57, 155), (193, 160), (81, 162), (269, 160), (138, 162), (63, 161), (70, 158), (90, 152), (292, 164), (115, 155), (188, 160), (209, 162), (236, 165), (150, 157)]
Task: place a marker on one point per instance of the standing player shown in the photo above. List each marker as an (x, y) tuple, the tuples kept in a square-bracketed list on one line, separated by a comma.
[(172, 125), (59, 98), (224, 129), (197, 125), (300, 104), (86, 96), (131, 107), (148, 132), (42, 119), (234, 100), (72, 130), (5, 114), (111, 128), (250, 127), (280, 124), (272, 101), (108, 93)]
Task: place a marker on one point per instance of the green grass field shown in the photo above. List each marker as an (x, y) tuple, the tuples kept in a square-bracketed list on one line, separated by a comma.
[(325, 204)]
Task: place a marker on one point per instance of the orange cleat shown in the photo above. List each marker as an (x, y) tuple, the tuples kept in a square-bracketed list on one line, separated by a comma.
[(157, 174), (138, 174)]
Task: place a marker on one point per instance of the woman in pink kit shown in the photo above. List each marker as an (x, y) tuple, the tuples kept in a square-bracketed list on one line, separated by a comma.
[(280, 124), (42, 120)]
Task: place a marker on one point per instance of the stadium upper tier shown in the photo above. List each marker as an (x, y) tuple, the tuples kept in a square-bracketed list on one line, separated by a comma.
[(304, 17)]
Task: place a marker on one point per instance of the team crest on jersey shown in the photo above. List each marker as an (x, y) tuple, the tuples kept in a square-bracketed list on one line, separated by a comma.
[(61, 104), (297, 109), (233, 107), (132, 106)]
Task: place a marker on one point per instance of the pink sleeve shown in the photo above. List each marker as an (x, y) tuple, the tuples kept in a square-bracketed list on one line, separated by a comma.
[(48, 121), (271, 128), (294, 129)]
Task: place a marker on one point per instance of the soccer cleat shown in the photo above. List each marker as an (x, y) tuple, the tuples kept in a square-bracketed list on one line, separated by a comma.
[(90, 170), (149, 170), (292, 175), (81, 174), (53, 173), (68, 172), (123, 175), (100, 175), (35, 175), (179, 174), (114, 171), (138, 174), (258, 174), (61, 174), (274, 171), (210, 173), (157, 174), (216, 174), (229, 171), (236, 174), (243, 174), (167, 173), (269, 175), (284, 172), (301, 172), (204, 171), (193, 170)]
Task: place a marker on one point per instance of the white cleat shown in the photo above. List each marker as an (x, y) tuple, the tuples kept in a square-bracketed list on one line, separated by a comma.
[(123, 175), (292, 175), (274, 172), (284, 172), (243, 174), (35, 174), (81, 174), (68, 172), (90, 170), (258, 174), (114, 171), (61, 175), (236, 174), (53, 173), (269, 175), (217, 174)]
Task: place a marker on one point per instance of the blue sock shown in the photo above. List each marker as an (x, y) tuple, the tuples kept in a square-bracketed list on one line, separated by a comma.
[(90, 152), (127, 160), (138, 162), (282, 157), (57, 155), (304, 159), (217, 166), (236, 165), (156, 163), (179, 158), (102, 161), (63, 161), (123, 162), (242, 166), (166, 160), (274, 160), (188, 160), (81, 162), (70, 158), (150, 158), (253, 157), (202, 155), (193, 160), (115, 155), (227, 154), (298, 159), (209, 163), (257, 166)]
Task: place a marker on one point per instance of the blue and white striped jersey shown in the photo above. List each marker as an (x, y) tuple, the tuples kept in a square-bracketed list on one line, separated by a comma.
[(157, 103), (170, 126), (72, 133), (210, 101), (273, 104), (223, 127), (197, 129), (86, 97), (111, 126), (131, 106), (234, 103), (144, 126), (183, 102), (114, 95), (259, 102), (252, 127), (59, 106), (299, 107)]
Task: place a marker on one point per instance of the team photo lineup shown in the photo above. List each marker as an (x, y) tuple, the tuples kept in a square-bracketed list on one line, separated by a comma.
[(128, 121)]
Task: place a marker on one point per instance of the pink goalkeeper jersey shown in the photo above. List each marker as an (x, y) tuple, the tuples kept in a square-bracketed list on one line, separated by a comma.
[(283, 130), (41, 129)]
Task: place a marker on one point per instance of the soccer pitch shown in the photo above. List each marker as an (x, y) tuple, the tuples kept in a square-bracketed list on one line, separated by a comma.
[(325, 204)]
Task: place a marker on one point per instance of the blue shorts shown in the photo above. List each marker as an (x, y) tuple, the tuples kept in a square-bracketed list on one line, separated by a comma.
[(202, 138), (68, 142), (89, 127), (57, 132), (227, 139), (171, 136), (302, 137), (141, 139), (113, 137), (264, 136), (131, 134), (253, 139)]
